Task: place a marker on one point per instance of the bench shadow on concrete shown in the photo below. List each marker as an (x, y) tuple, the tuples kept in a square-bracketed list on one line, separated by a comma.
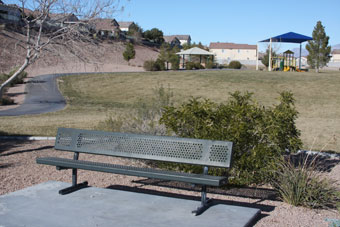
[(244, 192), (266, 208)]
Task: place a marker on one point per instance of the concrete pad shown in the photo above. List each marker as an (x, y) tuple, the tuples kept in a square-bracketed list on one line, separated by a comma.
[(41, 205)]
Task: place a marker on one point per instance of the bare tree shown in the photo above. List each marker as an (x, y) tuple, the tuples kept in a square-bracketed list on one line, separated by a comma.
[(60, 22)]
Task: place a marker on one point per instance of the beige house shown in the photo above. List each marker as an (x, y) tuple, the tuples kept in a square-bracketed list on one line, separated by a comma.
[(335, 55), (227, 52), (10, 13), (124, 26), (184, 39), (172, 40), (106, 28)]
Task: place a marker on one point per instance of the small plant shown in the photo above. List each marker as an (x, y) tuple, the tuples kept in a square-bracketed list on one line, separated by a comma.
[(18, 80), (158, 65), (193, 65), (235, 65), (6, 101), (129, 52), (302, 185), (210, 65), (149, 65)]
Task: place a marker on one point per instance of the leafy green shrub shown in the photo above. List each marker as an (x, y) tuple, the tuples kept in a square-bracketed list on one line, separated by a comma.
[(303, 185), (259, 134), (149, 65), (193, 65), (174, 60), (189, 65), (158, 65), (222, 66), (3, 77), (235, 65), (18, 80), (129, 52), (210, 65), (265, 58)]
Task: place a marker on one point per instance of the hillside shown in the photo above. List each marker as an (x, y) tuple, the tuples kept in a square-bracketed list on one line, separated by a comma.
[(104, 56)]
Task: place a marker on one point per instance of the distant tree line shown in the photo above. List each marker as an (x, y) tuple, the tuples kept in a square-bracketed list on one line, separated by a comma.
[(154, 35)]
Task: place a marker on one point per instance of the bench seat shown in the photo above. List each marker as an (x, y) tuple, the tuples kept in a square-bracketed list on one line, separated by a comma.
[(199, 179)]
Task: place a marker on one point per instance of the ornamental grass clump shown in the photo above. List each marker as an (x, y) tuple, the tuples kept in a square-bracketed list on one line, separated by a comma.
[(143, 117), (303, 185)]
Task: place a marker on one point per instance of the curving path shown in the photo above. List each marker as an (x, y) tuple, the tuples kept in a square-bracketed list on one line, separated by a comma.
[(42, 96)]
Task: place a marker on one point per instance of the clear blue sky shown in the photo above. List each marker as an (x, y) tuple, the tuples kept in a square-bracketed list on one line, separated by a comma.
[(237, 21)]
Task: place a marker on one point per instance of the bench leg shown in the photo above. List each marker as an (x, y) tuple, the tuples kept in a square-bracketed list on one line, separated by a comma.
[(74, 186), (205, 202)]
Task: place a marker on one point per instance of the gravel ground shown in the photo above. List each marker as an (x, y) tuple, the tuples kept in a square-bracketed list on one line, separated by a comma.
[(18, 170)]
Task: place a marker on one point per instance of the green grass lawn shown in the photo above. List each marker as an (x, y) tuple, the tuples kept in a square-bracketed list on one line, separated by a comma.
[(92, 98)]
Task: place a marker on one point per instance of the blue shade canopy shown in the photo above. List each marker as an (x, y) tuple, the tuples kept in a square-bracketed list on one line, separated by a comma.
[(290, 37)]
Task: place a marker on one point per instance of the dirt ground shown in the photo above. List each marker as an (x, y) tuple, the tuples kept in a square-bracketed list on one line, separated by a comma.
[(19, 170)]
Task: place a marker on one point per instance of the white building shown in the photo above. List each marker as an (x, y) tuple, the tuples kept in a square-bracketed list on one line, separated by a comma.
[(227, 52), (183, 39), (172, 40), (335, 55), (124, 26)]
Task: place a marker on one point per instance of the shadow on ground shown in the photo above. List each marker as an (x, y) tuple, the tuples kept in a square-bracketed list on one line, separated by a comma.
[(244, 192), (265, 208), (24, 151), (316, 161), (6, 145)]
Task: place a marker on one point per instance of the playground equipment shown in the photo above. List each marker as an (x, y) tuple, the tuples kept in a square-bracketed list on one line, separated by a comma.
[(286, 62), (290, 37)]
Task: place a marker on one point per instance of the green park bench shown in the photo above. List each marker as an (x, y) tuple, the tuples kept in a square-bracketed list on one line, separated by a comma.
[(206, 153)]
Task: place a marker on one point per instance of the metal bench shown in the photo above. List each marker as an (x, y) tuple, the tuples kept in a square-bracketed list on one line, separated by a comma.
[(206, 153)]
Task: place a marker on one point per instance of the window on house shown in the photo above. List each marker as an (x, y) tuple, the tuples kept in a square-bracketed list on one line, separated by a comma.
[(222, 50)]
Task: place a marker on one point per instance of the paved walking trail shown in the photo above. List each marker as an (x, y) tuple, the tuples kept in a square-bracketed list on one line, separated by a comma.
[(42, 96)]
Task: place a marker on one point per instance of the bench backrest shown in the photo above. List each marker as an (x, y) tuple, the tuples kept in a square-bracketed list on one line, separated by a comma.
[(161, 148)]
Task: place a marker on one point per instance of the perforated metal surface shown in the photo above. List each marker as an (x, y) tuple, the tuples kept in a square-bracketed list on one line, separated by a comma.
[(174, 149)]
